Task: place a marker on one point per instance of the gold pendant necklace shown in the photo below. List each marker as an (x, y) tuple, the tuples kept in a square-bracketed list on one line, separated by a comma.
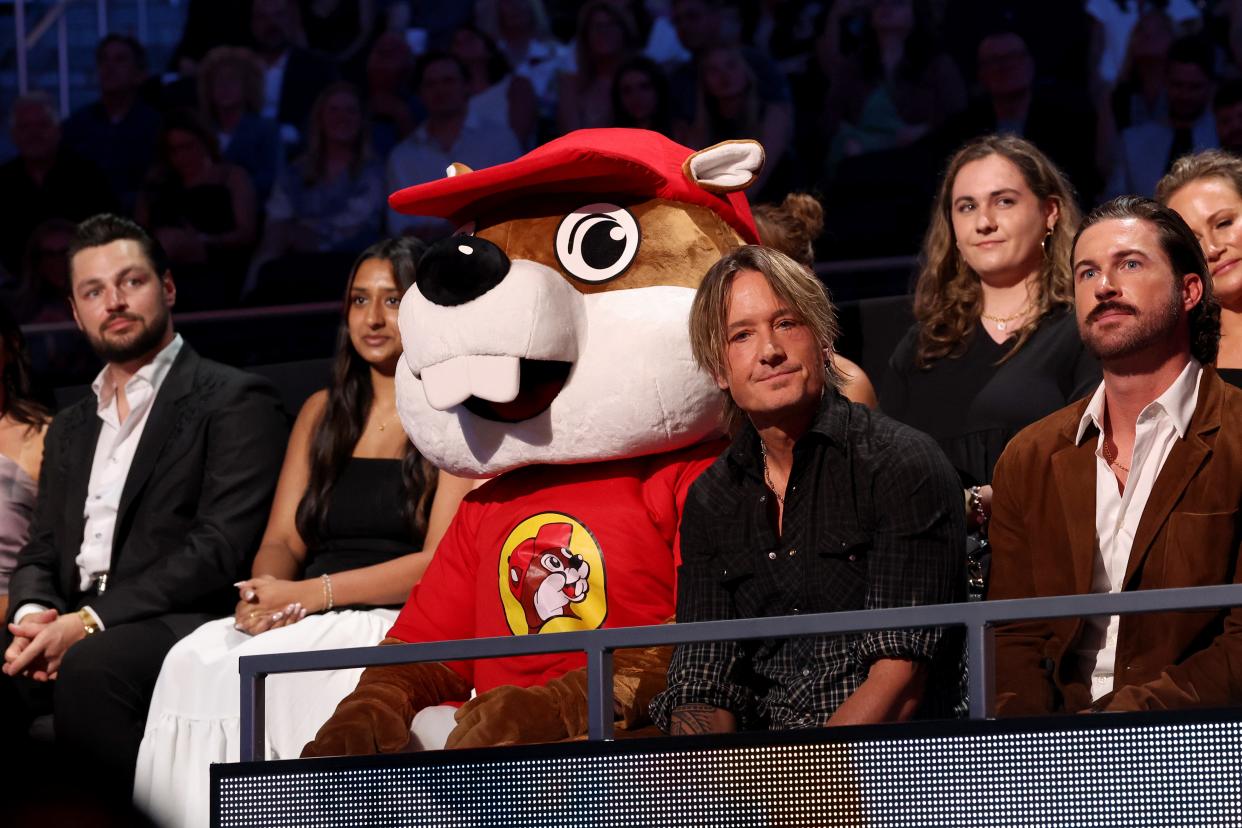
[(1002, 322)]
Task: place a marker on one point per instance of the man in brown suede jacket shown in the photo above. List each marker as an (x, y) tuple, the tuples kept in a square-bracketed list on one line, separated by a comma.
[(1137, 487)]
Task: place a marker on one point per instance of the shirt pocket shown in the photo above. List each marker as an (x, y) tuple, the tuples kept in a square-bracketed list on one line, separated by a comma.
[(843, 560), (1201, 549)]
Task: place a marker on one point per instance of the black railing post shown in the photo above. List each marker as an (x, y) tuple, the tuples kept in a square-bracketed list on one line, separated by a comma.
[(253, 735), (981, 667), (599, 694)]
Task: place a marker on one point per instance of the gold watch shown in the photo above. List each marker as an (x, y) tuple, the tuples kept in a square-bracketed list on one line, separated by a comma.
[(88, 621)]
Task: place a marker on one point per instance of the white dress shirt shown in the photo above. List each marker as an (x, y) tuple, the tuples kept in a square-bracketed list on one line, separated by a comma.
[(114, 454), (1160, 424)]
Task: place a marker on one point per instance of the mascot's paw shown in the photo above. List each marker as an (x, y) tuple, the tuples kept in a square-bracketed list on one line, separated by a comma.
[(363, 724), (523, 715), (376, 717)]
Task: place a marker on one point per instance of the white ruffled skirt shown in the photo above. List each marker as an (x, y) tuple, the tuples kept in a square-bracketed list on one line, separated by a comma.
[(194, 718)]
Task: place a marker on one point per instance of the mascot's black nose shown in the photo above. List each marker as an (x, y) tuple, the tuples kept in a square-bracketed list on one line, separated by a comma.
[(460, 268)]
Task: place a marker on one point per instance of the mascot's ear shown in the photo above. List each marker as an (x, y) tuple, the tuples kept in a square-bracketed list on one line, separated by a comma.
[(726, 167), (457, 168)]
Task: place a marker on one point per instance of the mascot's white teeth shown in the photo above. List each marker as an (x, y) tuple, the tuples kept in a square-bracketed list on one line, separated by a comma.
[(453, 381)]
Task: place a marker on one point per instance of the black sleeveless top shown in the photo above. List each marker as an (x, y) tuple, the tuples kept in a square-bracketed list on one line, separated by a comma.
[(365, 523), (1233, 376)]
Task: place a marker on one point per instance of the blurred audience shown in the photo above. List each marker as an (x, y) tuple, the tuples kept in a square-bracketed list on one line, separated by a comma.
[(42, 291), (995, 346), (497, 95), (209, 24), (520, 28), (46, 180), (117, 133), (331, 200), (1113, 22), (338, 29), (389, 97), (23, 423), (1145, 151), (293, 75), (1012, 103), (449, 135), (1227, 110), (640, 97), (203, 211), (1205, 189), (891, 82), (1141, 93), (703, 25), (230, 94), (606, 36)]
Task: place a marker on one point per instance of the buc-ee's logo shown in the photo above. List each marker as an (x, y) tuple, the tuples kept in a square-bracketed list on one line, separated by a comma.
[(552, 576)]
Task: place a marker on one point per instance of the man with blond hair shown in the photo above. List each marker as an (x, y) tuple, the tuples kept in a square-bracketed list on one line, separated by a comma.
[(818, 505)]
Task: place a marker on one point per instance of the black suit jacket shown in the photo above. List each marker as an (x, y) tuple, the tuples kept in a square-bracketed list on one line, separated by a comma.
[(192, 510)]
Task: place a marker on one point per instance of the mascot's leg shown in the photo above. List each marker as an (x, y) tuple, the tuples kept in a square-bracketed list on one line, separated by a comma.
[(558, 710), (376, 717)]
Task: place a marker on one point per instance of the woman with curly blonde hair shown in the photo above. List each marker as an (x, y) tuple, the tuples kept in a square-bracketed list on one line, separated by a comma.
[(995, 343), (1205, 189)]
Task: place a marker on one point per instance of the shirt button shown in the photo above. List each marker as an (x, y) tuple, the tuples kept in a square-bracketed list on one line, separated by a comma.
[(763, 498), (99, 534), (793, 488), (771, 556), (796, 610), (793, 552), (806, 671), (853, 557)]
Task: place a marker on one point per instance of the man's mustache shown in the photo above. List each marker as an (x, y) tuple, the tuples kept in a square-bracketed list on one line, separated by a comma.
[(1110, 306)]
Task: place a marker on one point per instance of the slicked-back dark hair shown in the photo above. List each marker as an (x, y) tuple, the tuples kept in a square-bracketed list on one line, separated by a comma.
[(106, 228), (1185, 256), (349, 404)]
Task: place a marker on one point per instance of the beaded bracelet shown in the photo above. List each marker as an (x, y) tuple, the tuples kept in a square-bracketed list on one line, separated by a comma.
[(976, 506), (327, 592)]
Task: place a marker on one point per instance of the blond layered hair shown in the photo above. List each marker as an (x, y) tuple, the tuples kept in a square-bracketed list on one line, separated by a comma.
[(1207, 164), (797, 288), (230, 57), (948, 298)]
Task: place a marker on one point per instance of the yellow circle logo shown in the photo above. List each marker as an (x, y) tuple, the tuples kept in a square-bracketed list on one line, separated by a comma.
[(552, 576)]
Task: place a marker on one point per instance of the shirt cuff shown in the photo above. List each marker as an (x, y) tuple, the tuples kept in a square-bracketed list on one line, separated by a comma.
[(27, 609), (663, 705), (99, 624), (915, 645)]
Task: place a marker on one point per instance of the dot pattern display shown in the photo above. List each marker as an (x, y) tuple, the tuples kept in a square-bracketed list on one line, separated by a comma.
[(1187, 774)]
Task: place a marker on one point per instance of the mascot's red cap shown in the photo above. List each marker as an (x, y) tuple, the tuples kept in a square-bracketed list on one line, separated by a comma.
[(549, 536), (631, 161)]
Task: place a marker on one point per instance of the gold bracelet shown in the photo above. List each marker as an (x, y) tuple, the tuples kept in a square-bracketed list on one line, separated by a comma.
[(327, 592)]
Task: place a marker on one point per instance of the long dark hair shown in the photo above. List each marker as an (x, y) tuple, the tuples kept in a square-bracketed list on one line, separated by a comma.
[(349, 403), (19, 401)]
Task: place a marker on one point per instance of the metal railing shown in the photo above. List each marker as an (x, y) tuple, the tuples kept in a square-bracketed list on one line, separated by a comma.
[(25, 40), (979, 618)]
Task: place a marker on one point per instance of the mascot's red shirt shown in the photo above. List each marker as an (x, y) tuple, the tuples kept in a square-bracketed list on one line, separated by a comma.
[(554, 548)]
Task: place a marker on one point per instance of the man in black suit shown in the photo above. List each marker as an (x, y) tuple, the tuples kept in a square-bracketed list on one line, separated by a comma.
[(152, 499), (295, 74)]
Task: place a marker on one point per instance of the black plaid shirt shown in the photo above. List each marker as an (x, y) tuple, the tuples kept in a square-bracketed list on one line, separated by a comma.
[(873, 518)]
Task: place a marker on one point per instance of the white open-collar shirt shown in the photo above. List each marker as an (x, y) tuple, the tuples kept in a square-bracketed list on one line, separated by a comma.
[(114, 454), (1161, 423)]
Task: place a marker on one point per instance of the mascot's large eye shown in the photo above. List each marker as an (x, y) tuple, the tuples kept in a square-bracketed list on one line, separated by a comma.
[(597, 242), (552, 563)]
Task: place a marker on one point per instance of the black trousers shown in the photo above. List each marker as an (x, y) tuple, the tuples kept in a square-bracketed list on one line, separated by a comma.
[(99, 700)]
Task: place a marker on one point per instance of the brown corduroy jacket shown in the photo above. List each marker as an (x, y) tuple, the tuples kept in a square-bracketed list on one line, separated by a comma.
[(1043, 540)]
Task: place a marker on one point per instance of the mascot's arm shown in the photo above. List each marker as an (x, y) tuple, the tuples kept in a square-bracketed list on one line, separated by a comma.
[(376, 717), (557, 710)]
